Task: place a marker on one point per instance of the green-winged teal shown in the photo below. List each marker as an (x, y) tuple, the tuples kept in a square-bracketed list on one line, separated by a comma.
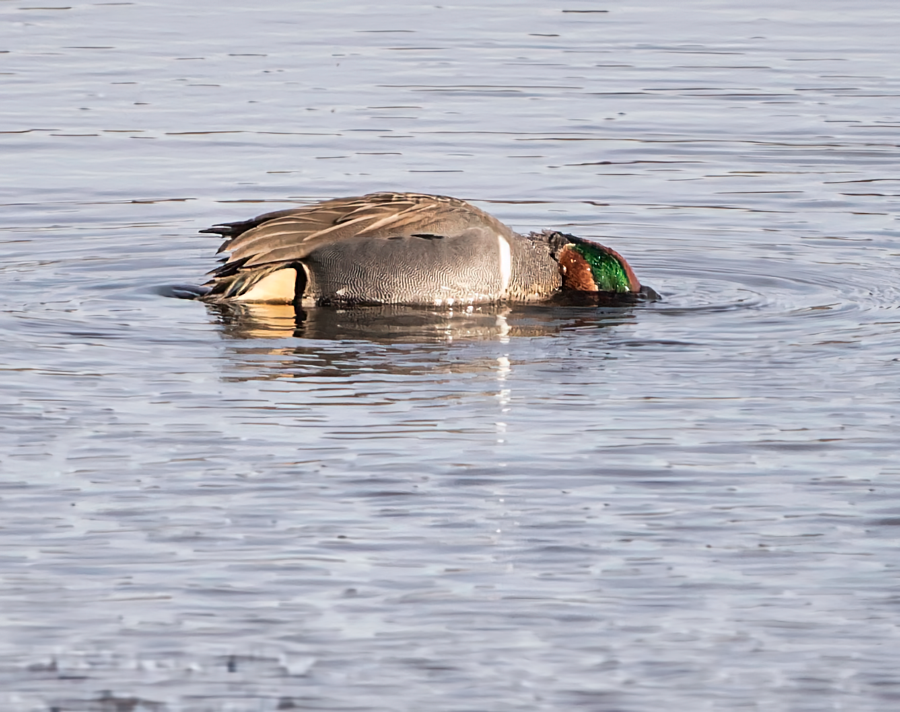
[(405, 248)]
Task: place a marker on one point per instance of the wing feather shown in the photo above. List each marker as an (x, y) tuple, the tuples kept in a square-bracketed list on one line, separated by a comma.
[(284, 237)]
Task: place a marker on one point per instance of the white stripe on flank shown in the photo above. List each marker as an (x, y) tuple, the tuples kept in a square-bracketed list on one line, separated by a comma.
[(505, 264)]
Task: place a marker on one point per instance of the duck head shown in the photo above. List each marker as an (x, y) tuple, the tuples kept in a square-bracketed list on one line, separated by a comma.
[(589, 267)]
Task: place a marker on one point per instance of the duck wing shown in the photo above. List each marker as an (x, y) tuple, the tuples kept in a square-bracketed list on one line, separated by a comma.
[(347, 229), (288, 236)]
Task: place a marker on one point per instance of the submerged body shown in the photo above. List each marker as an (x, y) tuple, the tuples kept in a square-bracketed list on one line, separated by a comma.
[(405, 248)]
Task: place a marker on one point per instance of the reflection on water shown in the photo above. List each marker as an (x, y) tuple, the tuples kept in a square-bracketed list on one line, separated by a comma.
[(407, 324), (400, 341)]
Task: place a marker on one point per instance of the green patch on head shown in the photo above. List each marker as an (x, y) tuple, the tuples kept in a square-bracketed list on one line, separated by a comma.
[(607, 268)]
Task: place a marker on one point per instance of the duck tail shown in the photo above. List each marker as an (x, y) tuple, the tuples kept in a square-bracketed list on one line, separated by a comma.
[(230, 281)]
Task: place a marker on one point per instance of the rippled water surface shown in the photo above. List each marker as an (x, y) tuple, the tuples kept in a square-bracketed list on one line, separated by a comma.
[(691, 504)]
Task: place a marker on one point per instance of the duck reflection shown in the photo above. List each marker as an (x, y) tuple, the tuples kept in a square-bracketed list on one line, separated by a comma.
[(410, 341), (409, 324)]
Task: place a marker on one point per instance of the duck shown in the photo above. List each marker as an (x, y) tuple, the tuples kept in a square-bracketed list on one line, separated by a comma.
[(406, 249)]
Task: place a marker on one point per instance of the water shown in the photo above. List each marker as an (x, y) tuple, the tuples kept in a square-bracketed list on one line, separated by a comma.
[(687, 504)]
